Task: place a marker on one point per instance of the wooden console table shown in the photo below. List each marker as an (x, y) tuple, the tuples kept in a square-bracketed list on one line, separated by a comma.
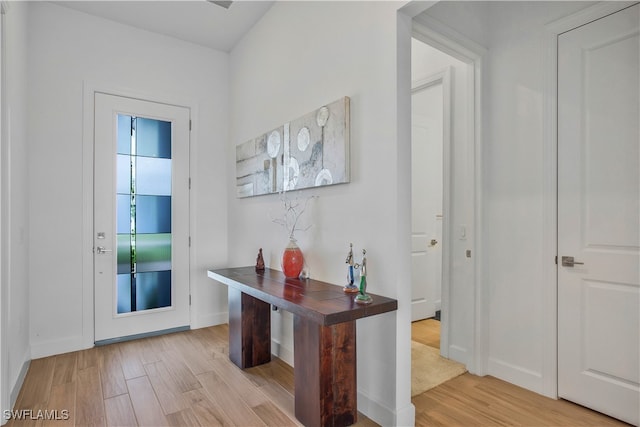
[(324, 337)]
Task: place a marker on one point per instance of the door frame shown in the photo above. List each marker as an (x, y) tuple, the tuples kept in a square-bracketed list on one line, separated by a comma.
[(89, 91), (5, 384), (550, 191), (447, 40), (443, 77)]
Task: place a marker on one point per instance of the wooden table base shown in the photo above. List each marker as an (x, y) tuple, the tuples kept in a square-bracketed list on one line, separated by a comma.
[(249, 330), (324, 337), (324, 359), (325, 373)]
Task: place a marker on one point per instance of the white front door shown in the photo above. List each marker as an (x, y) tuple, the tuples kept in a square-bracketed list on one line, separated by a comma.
[(141, 217), (599, 215), (427, 112)]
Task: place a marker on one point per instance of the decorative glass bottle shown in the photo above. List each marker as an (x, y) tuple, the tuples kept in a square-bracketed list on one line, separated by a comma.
[(292, 260)]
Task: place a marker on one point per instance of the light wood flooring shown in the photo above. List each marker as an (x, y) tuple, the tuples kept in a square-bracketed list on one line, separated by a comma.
[(180, 379), (469, 400), (186, 378), (426, 332)]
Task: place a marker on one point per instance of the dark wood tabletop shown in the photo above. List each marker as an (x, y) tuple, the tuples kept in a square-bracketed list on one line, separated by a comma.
[(321, 302)]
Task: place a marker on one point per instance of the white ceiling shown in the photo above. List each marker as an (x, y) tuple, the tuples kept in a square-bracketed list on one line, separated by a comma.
[(196, 21)]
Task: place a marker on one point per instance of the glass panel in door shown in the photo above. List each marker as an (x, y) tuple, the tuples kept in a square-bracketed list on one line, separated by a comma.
[(143, 214)]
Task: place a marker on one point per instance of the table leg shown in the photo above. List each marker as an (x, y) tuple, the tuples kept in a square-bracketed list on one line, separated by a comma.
[(249, 330), (325, 373)]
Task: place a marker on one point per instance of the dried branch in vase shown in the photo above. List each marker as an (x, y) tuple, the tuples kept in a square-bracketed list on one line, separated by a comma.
[(293, 211)]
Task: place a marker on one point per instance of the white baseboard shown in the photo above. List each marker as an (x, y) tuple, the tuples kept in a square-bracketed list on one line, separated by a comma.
[(210, 319), (383, 415), (15, 390), (53, 347), (459, 354), (406, 416), (283, 352), (517, 375), (66, 345)]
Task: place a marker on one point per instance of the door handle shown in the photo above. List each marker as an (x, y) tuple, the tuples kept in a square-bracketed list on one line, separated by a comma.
[(568, 261), (433, 242), (102, 250)]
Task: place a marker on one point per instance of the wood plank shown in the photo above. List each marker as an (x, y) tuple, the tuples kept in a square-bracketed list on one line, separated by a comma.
[(184, 418), (272, 416), (167, 390), (234, 377), (214, 341), (282, 398), (206, 410), (152, 348), (37, 384), (193, 353), (89, 400), (89, 358), (111, 375), (62, 402), (179, 371), (426, 332), (65, 368), (131, 360), (283, 374), (119, 411), (145, 404), (231, 403)]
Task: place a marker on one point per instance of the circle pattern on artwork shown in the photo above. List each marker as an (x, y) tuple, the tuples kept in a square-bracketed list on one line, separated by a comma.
[(322, 116), (273, 144), (324, 177), (304, 138)]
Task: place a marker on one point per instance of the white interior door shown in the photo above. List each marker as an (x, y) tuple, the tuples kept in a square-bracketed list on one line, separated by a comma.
[(427, 191), (141, 217), (598, 215)]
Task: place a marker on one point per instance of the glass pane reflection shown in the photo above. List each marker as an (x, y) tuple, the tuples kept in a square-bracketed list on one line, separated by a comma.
[(153, 290), (124, 134), (143, 214), (124, 254), (123, 177), (153, 176), (153, 214), (153, 252), (124, 293), (153, 138), (123, 222)]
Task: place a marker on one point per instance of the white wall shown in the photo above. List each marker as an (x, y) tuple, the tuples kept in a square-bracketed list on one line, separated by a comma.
[(514, 179), (300, 56), (14, 237), (66, 50)]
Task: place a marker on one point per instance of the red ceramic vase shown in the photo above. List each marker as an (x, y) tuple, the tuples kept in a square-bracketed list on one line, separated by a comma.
[(292, 260)]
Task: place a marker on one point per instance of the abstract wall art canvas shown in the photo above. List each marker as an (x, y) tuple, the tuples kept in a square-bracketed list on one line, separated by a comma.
[(310, 151)]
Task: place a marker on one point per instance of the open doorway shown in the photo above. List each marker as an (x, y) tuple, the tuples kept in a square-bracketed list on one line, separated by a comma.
[(440, 99), (439, 117)]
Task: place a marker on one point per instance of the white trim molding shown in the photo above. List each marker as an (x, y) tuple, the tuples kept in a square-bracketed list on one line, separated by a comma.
[(89, 91), (444, 38), (5, 399), (444, 77)]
